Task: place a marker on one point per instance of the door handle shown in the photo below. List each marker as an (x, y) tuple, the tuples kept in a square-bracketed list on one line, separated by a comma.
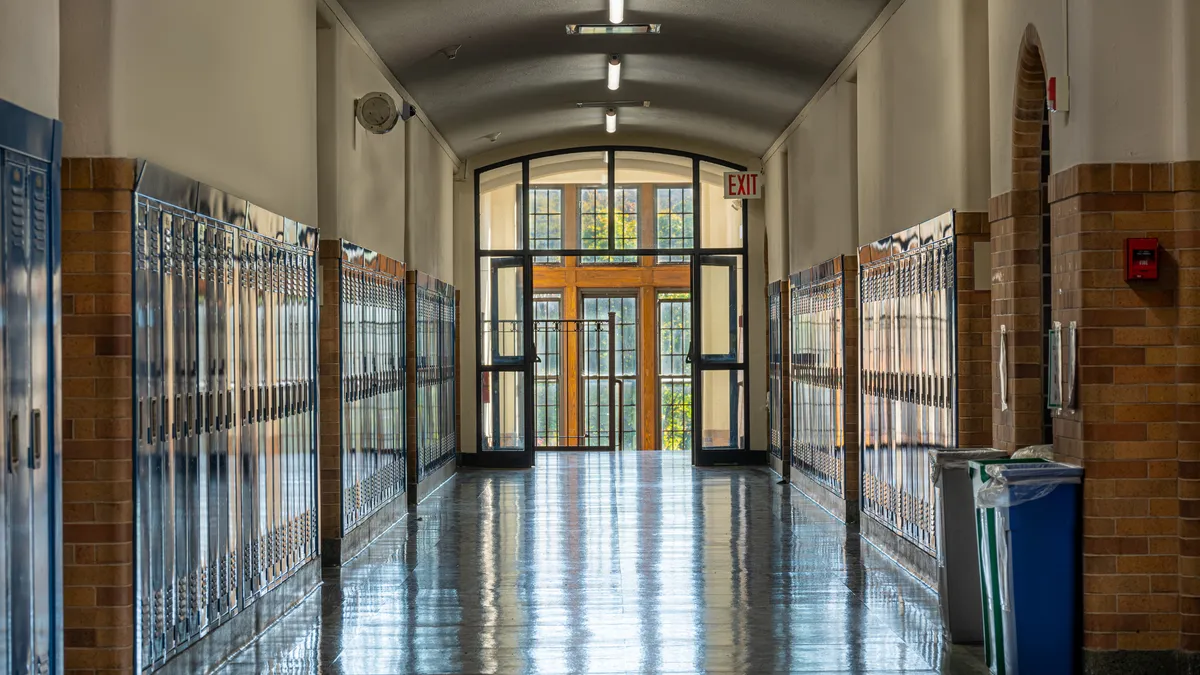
[(37, 438), (14, 441), (688, 359)]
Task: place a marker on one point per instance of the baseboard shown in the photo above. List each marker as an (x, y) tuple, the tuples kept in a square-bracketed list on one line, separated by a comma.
[(1130, 662), (337, 552), (243, 628), (843, 510), (417, 493), (908, 555)]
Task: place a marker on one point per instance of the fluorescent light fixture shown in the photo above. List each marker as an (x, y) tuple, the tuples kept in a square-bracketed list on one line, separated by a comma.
[(614, 72), (605, 29), (613, 104), (610, 121), (616, 11)]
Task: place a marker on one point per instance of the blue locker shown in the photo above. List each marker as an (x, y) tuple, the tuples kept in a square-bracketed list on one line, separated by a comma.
[(30, 506)]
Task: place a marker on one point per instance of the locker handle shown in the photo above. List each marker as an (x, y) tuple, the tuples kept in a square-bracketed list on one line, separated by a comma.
[(37, 438), (14, 440)]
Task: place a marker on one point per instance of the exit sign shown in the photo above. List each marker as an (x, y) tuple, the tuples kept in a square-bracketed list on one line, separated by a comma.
[(743, 185)]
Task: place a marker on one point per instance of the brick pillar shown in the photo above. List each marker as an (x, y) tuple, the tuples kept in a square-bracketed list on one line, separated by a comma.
[(1016, 223), (98, 525), (974, 336), (1125, 428), (330, 383), (853, 481), (1186, 183)]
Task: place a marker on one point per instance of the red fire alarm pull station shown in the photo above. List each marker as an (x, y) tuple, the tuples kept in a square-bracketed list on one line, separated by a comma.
[(1141, 259)]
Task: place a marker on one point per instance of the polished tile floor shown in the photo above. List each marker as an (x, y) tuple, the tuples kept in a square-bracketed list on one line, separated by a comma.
[(613, 563)]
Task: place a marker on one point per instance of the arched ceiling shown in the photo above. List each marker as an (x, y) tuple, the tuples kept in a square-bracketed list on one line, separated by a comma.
[(733, 72)]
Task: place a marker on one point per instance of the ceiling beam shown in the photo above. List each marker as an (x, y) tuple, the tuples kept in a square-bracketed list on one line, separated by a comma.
[(344, 19)]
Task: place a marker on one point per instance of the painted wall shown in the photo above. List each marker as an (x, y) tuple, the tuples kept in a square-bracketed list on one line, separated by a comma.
[(430, 196), (1134, 82), (922, 117), (222, 91), (1185, 65), (29, 54), (775, 215), (362, 175), (822, 179)]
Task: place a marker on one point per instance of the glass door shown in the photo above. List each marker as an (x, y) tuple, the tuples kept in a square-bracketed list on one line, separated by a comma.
[(719, 426), (505, 371)]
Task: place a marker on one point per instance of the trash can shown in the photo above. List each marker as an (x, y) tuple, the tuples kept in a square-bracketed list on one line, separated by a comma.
[(957, 549), (1029, 563)]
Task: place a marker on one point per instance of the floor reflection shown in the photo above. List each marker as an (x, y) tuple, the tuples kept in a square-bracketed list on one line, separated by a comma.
[(613, 563)]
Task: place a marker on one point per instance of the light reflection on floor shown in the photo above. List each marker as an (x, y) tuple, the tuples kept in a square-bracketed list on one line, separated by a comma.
[(613, 563)]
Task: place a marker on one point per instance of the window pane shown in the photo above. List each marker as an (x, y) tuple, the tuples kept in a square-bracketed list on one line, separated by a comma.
[(545, 222), (674, 373), (724, 409), (721, 219), (501, 302), (550, 341), (596, 421), (499, 208), (502, 411), (594, 228), (674, 217)]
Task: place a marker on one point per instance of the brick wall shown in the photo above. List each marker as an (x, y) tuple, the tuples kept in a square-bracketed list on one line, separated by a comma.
[(329, 346), (1126, 428), (97, 383)]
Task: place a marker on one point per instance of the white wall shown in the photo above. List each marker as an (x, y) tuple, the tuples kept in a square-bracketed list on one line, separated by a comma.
[(1133, 79), (822, 181), (222, 91), (362, 195), (29, 54), (922, 134), (775, 215), (430, 180)]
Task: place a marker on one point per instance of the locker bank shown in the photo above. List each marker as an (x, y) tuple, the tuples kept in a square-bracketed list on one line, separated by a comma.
[(618, 336)]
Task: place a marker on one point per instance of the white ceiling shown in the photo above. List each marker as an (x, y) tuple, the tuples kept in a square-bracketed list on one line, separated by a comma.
[(733, 72)]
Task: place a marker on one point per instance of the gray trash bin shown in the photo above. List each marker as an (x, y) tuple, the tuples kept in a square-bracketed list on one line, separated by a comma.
[(958, 548)]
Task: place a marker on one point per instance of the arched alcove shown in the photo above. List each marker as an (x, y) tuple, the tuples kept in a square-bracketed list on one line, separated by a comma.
[(1021, 290)]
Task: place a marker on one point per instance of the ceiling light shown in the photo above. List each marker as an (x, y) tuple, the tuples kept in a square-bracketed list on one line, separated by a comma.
[(612, 104), (616, 11), (605, 29), (614, 72), (610, 121)]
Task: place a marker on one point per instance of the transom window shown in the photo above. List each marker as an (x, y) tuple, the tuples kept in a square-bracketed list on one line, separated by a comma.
[(545, 222), (594, 227), (674, 218)]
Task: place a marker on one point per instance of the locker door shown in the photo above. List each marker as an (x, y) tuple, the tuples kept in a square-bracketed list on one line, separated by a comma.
[(43, 540), (232, 421), (17, 424)]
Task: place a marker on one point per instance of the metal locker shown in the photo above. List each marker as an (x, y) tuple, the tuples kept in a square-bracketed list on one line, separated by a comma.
[(907, 374), (225, 479), (30, 641)]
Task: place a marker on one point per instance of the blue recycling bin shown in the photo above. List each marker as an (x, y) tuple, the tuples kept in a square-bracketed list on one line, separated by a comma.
[(1035, 550)]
